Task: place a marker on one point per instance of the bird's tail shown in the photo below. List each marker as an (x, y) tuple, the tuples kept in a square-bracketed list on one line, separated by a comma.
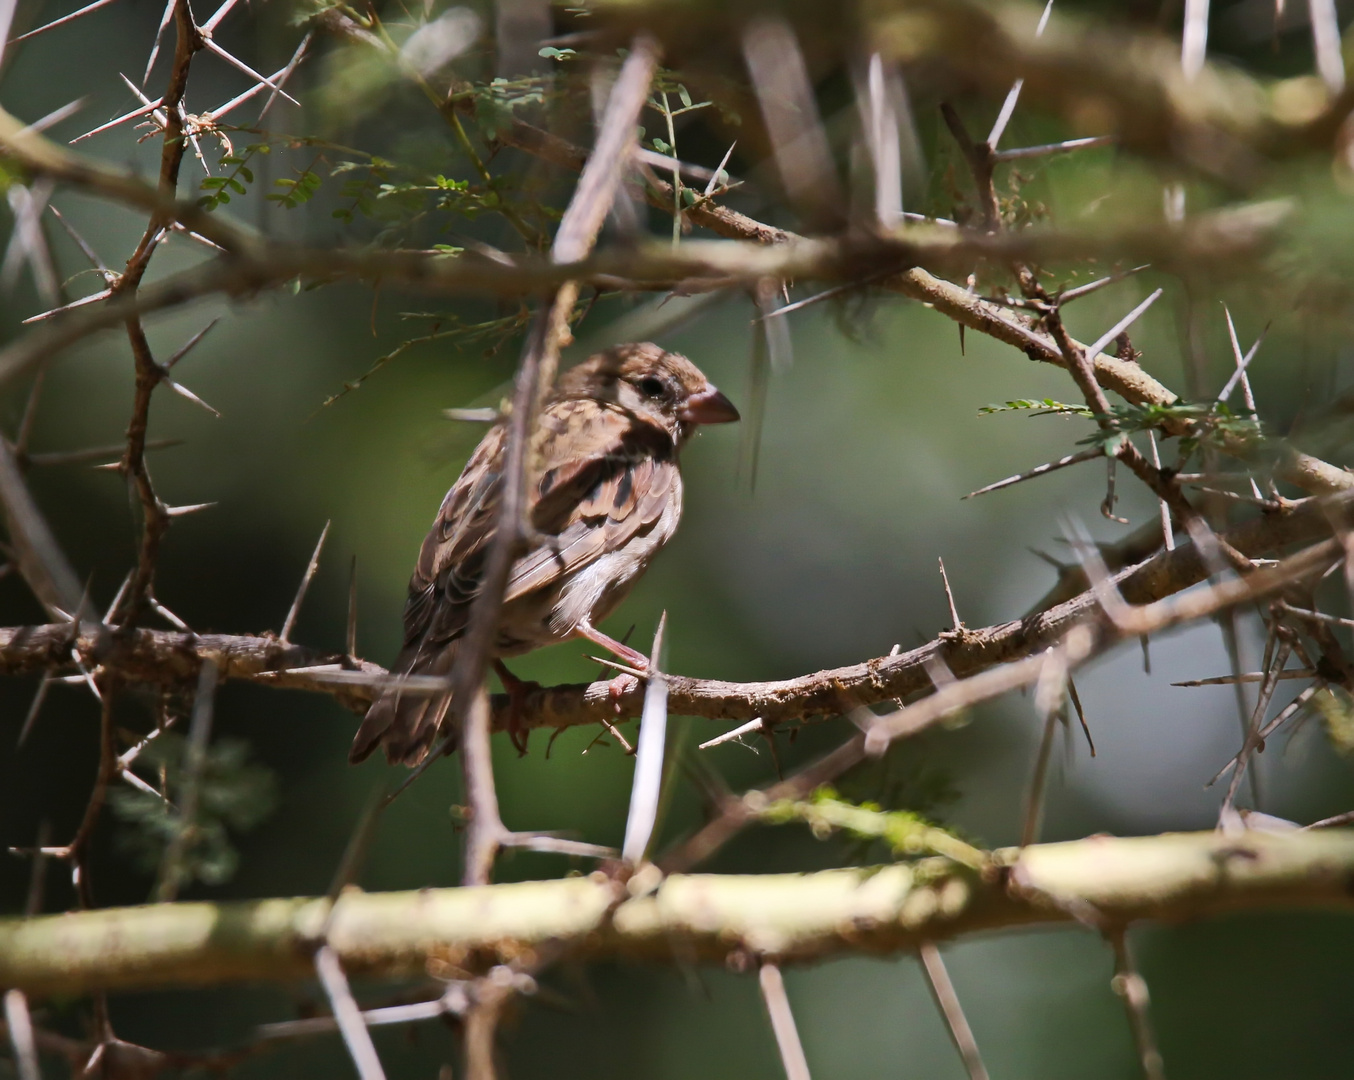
[(406, 723)]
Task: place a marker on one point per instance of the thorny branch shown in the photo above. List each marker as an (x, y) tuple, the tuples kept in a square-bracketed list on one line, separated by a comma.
[(1201, 126), (170, 657)]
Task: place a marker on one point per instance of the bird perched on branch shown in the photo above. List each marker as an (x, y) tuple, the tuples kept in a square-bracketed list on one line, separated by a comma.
[(605, 495)]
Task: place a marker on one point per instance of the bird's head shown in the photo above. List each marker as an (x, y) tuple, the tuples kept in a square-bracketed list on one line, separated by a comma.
[(663, 388)]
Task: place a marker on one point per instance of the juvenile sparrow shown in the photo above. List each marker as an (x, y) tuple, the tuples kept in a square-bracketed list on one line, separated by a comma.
[(607, 498)]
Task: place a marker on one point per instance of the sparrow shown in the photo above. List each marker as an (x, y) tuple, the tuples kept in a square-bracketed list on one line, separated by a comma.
[(606, 497)]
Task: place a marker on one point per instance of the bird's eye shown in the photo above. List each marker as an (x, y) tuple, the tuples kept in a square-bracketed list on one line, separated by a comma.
[(652, 386)]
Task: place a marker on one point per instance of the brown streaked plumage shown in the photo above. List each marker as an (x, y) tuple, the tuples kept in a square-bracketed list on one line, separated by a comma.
[(608, 497)]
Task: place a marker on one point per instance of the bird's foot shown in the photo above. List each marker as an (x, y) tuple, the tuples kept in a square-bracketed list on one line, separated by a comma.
[(517, 691), (626, 680), (618, 687)]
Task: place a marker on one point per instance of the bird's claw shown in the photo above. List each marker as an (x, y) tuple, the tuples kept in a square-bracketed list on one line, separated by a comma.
[(517, 690), (618, 687)]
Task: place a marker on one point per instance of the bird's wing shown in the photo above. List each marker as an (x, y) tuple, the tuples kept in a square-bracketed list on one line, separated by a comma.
[(605, 476), (450, 563), (611, 484)]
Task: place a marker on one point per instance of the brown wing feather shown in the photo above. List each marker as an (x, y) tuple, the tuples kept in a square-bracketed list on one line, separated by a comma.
[(604, 502)]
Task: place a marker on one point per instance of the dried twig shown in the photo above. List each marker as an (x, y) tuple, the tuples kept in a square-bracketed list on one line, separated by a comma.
[(1041, 470), (21, 1035), (1131, 986), (942, 989), (648, 778), (783, 1022), (348, 1016), (289, 623)]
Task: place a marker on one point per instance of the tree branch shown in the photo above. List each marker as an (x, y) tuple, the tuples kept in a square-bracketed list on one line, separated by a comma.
[(793, 917), (159, 656)]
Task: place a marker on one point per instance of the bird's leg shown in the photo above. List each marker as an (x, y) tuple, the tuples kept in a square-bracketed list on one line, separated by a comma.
[(623, 683), (517, 691)]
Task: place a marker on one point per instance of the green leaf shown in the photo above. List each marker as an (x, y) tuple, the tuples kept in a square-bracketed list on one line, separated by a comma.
[(686, 97), (1043, 407)]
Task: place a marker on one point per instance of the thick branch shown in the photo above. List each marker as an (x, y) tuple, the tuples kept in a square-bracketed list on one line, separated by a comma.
[(712, 918)]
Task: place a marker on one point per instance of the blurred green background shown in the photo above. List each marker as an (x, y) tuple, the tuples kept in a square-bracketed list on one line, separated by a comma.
[(870, 439)]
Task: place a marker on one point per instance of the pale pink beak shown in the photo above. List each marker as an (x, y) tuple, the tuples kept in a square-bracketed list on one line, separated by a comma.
[(708, 407)]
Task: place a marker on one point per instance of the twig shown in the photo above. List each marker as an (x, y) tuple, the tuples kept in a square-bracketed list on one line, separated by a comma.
[(485, 830), (783, 1022), (942, 990), (826, 294), (30, 718), (93, 454), (1242, 362), (1131, 986), (648, 778), (1250, 677), (1061, 463), (1194, 40), (347, 1015), (753, 725), (61, 21), (1123, 324), (37, 879), (1167, 532), (40, 559), (289, 623), (1055, 148), (956, 624), (880, 121), (490, 995), (350, 638), (453, 1001), (1068, 295), (173, 870), (1013, 96), (789, 110), (1252, 737), (1081, 713), (1312, 616), (1330, 62), (1331, 822), (1049, 696), (188, 346), (21, 1035), (155, 520), (77, 851)]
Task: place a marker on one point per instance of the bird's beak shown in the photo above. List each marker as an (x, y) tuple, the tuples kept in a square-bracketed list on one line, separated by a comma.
[(709, 407)]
